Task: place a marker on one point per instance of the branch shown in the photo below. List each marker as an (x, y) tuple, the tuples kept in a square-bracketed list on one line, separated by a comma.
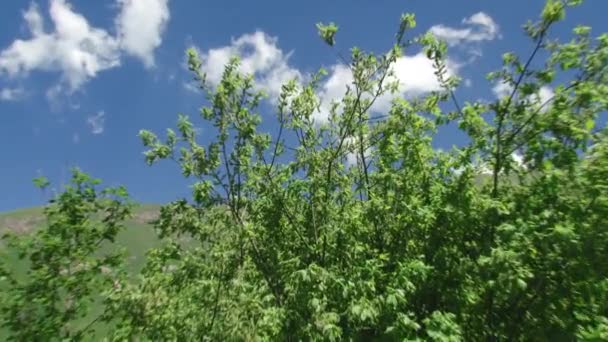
[(217, 299), (502, 112), (276, 144)]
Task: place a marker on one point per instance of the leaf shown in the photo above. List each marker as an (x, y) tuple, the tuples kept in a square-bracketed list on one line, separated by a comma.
[(553, 11), (41, 182), (328, 32)]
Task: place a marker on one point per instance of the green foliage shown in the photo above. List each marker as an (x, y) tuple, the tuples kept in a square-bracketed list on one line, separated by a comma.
[(64, 271), (328, 32), (41, 182), (406, 243)]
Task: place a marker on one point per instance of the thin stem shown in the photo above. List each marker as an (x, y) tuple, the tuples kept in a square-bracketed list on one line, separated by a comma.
[(503, 111)]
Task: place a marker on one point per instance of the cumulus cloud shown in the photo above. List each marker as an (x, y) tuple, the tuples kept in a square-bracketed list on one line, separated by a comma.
[(259, 56), (97, 122), (415, 74), (74, 48), (79, 51), (333, 88), (140, 25), (478, 27)]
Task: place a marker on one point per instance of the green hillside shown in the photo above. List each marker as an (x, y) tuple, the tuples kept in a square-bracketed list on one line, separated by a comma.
[(137, 238)]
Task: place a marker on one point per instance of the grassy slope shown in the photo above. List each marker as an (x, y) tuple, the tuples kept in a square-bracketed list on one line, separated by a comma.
[(137, 239), (138, 236)]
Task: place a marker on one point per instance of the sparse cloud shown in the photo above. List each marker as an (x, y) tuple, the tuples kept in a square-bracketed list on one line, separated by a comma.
[(542, 97), (502, 89), (518, 159), (171, 77), (545, 94), (11, 94), (467, 40), (478, 27), (353, 155), (79, 51), (191, 87), (486, 168), (97, 122)]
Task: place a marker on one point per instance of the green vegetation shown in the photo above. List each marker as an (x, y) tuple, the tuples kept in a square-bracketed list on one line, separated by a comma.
[(283, 239), (136, 238)]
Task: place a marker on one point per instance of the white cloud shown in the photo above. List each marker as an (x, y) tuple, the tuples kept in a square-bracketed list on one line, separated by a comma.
[(97, 122), (259, 56), (518, 159), (545, 94), (191, 87), (171, 77), (350, 145), (478, 27), (79, 51), (333, 89), (542, 97), (502, 89), (140, 25), (353, 155), (11, 94), (415, 74), (74, 48), (486, 167), (34, 20)]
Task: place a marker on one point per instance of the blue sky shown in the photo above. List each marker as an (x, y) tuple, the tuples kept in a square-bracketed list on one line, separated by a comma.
[(80, 78)]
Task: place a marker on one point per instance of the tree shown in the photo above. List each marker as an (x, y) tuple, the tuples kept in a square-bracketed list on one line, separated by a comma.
[(65, 266), (292, 242), (406, 243)]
